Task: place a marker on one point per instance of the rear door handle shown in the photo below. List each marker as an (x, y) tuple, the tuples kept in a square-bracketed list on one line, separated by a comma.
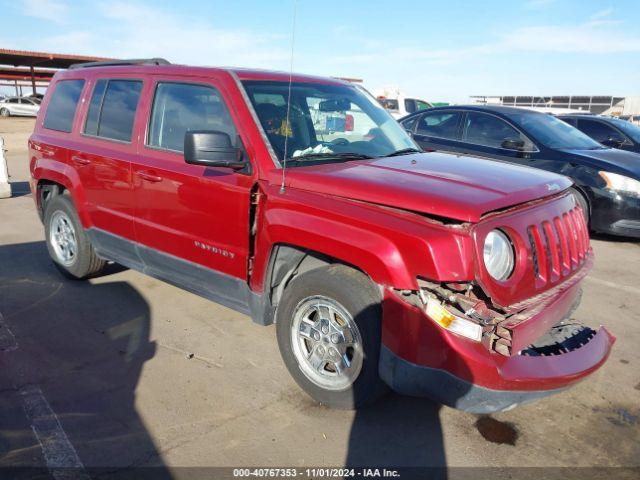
[(149, 177), (80, 161)]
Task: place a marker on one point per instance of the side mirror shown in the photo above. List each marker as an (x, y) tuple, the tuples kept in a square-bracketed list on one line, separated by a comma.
[(614, 142), (513, 144), (212, 149)]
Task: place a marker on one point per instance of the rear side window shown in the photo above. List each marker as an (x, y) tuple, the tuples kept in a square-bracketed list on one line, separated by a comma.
[(440, 125), (113, 109), (63, 104), (180, 107)]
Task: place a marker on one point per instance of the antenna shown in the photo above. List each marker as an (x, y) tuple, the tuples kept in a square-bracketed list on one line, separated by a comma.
[(286, 127)]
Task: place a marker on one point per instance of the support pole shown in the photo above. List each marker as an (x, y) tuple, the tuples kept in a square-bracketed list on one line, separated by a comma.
[(5, 186), (33, 79)]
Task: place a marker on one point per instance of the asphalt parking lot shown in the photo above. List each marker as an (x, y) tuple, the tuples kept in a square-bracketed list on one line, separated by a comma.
[(129, 371)]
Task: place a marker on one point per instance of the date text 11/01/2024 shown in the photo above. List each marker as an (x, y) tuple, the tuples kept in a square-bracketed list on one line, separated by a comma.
[(316, 472)]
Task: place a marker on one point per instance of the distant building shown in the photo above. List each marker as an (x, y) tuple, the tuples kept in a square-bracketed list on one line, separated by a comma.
[(598, 104)]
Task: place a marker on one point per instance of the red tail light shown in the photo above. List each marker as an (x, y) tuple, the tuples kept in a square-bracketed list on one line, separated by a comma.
[(348, 123)]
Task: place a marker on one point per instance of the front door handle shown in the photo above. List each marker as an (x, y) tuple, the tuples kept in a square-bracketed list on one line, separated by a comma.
[(149, 177), (80, 161)]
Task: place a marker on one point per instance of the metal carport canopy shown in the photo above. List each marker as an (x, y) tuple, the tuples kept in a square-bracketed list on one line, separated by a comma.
[(22, 58)]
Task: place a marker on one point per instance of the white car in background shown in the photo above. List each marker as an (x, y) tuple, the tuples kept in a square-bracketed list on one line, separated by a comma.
[(401, 106), (19, 106)]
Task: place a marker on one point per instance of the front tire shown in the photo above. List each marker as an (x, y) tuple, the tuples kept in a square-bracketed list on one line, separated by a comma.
[(328, 325), (4, 112), (67, 242)]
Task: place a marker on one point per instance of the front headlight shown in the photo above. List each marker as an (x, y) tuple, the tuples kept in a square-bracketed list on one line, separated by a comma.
[(499, 258), (621, 183)]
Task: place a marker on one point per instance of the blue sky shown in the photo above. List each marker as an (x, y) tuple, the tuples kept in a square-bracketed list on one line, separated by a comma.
[(438, 50)]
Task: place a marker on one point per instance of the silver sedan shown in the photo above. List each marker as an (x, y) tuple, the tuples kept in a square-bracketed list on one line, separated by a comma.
[(19, 106)]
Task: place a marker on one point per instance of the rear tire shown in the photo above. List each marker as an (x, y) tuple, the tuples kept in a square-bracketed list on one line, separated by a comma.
[(329, 324), (4, 112), (67, 242)]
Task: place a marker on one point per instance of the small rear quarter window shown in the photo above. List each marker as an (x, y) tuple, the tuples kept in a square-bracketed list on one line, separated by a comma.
[(63, 104)]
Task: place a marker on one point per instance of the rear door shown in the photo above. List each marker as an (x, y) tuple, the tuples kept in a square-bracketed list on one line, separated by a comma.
[(103, 162), (194, 220), (439, 130)]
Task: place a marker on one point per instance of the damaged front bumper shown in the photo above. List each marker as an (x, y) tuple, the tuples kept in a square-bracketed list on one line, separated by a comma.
[(525, 376), (420, 358)]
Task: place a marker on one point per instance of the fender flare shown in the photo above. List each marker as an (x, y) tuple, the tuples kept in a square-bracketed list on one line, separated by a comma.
[(47, 169), (372, 253)]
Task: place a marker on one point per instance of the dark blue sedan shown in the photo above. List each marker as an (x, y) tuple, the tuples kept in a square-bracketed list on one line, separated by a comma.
[(607, 180), (609, 131)]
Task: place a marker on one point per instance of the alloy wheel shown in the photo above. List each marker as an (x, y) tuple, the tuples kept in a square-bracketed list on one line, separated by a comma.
[(326, 343)]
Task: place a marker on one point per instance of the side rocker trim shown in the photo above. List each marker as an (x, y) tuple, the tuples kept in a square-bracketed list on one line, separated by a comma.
[(224, 289)]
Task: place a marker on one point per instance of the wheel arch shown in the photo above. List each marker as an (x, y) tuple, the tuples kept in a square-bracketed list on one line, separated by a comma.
[(582, 191), (51, 182), (287, 261)]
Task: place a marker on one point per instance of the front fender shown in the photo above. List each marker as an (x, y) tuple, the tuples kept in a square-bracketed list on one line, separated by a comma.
[(393, 247)]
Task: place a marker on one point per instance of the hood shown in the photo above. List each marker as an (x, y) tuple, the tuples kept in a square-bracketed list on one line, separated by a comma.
[(612, 160), (457, 187)]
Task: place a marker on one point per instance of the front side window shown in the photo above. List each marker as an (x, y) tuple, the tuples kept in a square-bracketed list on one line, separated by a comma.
[(112, 109), (420, 105), (410, 105), (599, 131), (330, 121), (62, 106), (489, 130), (552, 132), (628, 128), (414, 105), (180, 107), (439, 125)]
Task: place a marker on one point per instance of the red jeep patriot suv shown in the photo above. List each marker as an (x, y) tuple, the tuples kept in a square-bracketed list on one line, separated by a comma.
[(299, 200)]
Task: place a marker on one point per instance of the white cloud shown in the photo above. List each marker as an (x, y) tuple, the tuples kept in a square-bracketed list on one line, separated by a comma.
[(594, 37), (52, 10), (139, 30)]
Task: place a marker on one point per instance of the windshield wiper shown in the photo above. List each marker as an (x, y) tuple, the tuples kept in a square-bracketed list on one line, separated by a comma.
[(404, 151), (329, 155)]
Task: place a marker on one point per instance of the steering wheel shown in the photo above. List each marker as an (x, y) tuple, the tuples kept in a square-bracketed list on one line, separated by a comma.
[(339, 141)]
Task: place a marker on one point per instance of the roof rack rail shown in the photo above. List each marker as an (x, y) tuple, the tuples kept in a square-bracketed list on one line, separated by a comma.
[(114, 63)]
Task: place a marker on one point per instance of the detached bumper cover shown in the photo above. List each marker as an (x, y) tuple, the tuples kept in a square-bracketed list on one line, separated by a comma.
[(520, 373)]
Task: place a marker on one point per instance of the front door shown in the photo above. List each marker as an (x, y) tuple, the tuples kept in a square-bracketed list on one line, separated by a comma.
[(192, 220), (490, 136)]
